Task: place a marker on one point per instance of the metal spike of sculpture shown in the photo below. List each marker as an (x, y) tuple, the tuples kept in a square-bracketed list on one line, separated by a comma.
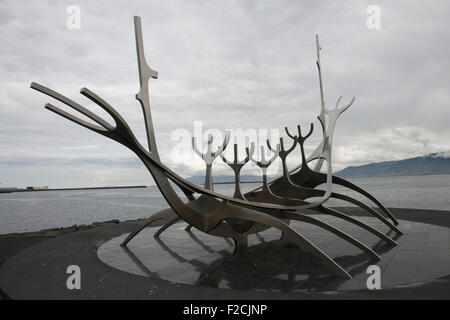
[(237, 166), (272, 205), (209, 157)]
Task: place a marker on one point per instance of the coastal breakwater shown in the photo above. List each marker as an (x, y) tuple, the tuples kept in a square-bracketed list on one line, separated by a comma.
[(28, 189)]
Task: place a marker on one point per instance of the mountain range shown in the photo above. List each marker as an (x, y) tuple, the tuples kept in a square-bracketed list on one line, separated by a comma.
[(433, 163)]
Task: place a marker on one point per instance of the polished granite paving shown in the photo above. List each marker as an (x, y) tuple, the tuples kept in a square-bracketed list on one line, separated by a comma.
[(271, 264)]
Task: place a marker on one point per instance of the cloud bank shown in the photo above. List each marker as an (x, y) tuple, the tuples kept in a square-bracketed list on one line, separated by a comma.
[(231, 64)]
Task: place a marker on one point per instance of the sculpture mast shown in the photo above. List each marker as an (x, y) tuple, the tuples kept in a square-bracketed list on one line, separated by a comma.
[(322, 101), (145, 73), (321, 117)]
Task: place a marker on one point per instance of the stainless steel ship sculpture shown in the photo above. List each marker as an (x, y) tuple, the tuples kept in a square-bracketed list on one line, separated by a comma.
[(271, 206)]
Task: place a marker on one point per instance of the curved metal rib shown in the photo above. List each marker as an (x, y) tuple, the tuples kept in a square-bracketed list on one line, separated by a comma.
[(293, 195), (303, 193), (167, 225), (293, 235), (288, 189), (165, 214), (269, 197), (368, 209), (358, 223), (308, 219), (354, 187)]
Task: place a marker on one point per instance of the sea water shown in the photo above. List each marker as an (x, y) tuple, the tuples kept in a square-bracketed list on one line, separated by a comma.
[(32, 211)]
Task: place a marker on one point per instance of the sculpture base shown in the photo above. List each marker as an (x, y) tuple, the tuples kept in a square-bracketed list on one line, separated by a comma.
[(272, 263)]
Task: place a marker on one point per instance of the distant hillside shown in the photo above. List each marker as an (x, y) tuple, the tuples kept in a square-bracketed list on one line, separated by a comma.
[(434, 163), (225, 179)]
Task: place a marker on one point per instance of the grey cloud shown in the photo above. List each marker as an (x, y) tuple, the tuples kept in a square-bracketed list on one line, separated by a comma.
[(232, 64)]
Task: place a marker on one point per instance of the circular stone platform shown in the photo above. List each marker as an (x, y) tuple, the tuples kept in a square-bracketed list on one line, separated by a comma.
[(270, 264)]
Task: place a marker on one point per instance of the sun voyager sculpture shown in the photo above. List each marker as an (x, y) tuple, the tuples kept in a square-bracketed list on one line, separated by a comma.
[(271, 206)]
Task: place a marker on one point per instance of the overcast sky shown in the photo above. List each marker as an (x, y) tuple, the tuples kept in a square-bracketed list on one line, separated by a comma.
[(231, 64)]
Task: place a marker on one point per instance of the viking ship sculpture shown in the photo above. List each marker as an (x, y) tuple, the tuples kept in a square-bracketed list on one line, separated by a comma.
[(272, 205)]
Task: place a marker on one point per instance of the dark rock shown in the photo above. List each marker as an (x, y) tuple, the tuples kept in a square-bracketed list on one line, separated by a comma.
[(51, 234), (112, 221)]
